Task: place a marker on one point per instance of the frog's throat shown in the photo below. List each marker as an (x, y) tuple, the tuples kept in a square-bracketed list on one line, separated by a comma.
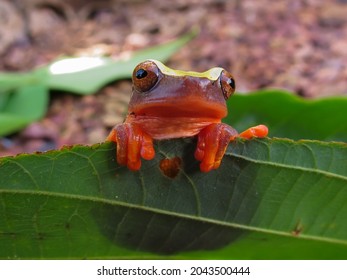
[(160, 128)]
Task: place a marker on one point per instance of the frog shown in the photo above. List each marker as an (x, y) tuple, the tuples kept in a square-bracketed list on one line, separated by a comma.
[(167, 104)]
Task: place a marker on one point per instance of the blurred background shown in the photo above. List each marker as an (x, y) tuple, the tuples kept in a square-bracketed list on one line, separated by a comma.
[(296, 45)]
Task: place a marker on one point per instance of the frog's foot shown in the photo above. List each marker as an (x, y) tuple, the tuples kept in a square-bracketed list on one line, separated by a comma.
[(214, 139), (132, 144), (212, 143), (259, 131)]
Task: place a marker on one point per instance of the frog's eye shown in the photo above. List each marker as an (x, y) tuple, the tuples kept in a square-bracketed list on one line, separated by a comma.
[(227, 84), (145, 76)]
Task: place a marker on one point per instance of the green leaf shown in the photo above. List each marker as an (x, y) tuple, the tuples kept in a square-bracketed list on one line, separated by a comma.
[(4, 99), (90, 80), (13, 81), (288, 115), (29, 101), (78, 203), (10, 123), (20, 108), (257, 245), (23, 99)]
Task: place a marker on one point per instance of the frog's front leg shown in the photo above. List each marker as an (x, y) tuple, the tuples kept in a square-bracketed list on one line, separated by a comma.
[(214, 139), (132, 144)]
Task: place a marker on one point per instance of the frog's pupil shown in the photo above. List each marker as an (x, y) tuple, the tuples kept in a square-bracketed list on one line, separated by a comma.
[(141, 73), (231, 83)]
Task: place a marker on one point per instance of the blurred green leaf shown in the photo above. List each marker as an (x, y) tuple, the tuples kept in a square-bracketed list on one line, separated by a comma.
[(28, 102), (78, 203), (13, 81), (3, 99), (288, 115), (23, 103), (91, 80)]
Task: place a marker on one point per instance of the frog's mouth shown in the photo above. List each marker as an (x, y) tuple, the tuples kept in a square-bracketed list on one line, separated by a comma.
[(178, 109)]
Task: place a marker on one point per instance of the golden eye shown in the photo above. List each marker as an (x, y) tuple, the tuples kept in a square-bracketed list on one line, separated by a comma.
[(145, 76), (227, 83)]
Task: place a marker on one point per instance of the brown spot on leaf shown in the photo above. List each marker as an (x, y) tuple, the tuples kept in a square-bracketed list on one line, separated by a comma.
[(298, 229), (67, 147), (170, 166), (41, 236)]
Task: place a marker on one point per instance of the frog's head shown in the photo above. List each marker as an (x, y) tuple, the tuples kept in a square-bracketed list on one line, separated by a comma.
[(163, 92)]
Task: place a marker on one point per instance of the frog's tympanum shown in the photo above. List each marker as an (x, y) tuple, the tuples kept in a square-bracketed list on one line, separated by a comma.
[(168, 103)]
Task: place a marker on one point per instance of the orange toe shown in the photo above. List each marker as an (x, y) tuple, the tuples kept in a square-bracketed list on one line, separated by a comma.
[(132, 144), (259, 131), (212, 143)]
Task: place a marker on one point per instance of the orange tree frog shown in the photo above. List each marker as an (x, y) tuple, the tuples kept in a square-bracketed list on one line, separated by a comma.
[(167, 103)]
